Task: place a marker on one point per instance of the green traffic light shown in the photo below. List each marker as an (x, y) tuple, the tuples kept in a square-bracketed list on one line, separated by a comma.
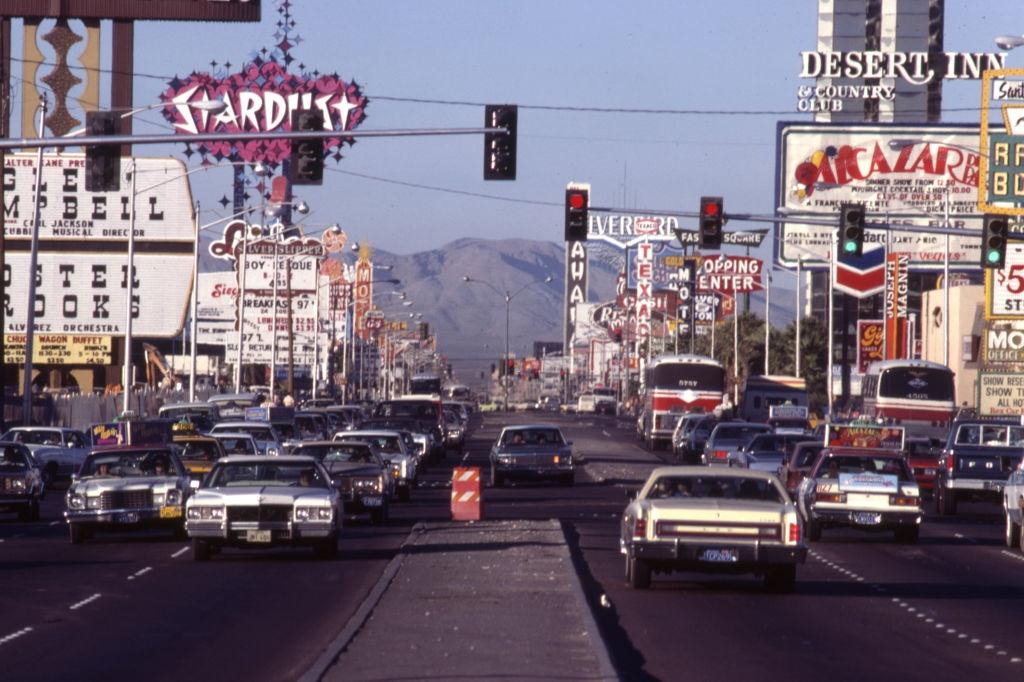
[(993, 256), (849, 247)]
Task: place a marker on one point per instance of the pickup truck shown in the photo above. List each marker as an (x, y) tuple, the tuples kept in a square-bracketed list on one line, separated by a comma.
[(977, 460)]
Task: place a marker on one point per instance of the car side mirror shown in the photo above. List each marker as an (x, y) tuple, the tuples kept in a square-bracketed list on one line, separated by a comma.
[(74, 477), (194, 484)]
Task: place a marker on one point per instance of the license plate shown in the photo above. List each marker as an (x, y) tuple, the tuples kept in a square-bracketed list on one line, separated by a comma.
[(257, 536), (867, 518), (372, 502), (993, 485), (127, 517), (718, 556), (170, 512)]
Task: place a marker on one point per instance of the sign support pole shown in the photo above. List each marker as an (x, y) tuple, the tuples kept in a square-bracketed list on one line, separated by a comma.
[(831, 320), (945, 289), (195, 306), (799, 314), (30, 313), (736, 356), (131, 294), (767, 321)]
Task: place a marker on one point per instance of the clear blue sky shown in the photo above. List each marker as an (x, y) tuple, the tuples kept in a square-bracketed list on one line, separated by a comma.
[(728, 54)]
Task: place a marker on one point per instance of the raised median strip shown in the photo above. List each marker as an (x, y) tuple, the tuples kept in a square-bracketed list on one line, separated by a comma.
[(482, 600)]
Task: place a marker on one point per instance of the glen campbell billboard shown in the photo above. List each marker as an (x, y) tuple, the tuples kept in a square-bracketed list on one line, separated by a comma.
[(893, 169), (81, 276)]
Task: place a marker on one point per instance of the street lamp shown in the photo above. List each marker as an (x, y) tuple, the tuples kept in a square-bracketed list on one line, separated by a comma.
[(508, 305), (1009, 42)]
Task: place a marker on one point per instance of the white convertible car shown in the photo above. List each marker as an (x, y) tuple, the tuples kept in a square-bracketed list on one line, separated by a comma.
[(719, 520), (262, 502)]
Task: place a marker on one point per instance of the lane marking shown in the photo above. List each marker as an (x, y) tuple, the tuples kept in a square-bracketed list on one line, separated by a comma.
[(87, 600), (179, 552), (14, 635), (606, 434), (54, 523), (140, 573)]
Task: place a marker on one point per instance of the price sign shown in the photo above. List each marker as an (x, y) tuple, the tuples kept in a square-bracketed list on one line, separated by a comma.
[(1004, 288)]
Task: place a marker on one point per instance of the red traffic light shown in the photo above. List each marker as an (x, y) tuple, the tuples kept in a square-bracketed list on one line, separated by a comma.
[(577, 200), (712, 208)]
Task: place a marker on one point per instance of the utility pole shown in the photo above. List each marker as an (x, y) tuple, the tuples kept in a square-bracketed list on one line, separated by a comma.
[(291, 330)]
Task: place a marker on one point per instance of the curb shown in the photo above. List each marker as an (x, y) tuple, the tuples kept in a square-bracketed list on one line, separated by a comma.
[(330, 654), (599, 645)]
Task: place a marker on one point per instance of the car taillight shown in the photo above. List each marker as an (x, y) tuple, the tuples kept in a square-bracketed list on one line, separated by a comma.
[(830, 497), (903, 501), (640, 528), (949, 462), (721, 454), (794, 532)]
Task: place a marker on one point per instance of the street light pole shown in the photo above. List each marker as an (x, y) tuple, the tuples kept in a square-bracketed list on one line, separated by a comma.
[(131, 293), (195, 309), (30, 312)]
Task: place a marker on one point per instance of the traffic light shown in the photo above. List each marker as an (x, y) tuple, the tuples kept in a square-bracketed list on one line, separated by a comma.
[(577, 210), (500, 147), (993, 241), (307, 160), (710, 222), (102, 162), (851, 229)]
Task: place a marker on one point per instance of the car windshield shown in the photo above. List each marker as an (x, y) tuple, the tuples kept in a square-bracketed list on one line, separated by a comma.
[(257, 432), (183, 411), (417, 409), (916, 383), (236, 445), (833, 465), (307, 426), (200, 451), (283, 474), (531, 437), (388, 444), (33, 437), (136, 463), (767, 442), (709, 486), (347, 452), (738, 432), (13, 459)]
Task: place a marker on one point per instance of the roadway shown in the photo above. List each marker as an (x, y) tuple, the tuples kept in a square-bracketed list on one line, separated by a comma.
[(133, 606)]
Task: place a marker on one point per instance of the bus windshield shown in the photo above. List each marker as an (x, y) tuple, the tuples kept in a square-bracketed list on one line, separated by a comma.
[(686, 375), (916, 383), (425, 385)]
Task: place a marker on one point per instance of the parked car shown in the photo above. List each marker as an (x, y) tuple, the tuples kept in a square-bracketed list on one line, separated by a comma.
[(59, 452), (692, 518), (534, 451), (265, 502)]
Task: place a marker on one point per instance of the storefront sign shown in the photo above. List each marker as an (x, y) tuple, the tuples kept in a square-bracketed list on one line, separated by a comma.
[(1004, 288), (58, 349), (644, 288), (730, 275), (363, 292), (1001, 394), (1002, 168), (1003, 344), (893, 169), (576, 273), (897, 305), (869, 343)]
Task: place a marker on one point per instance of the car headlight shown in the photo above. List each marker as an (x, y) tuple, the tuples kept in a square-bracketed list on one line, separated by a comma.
[(396, 469), (371, 484), (313, 513), (302, 513), (76, 501), (198, 513), (93, 502), (173, 497), (504, 459), (272, 452), (19, 483)]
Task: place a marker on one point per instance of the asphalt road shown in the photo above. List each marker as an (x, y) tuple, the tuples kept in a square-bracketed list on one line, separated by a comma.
[(136, 606)]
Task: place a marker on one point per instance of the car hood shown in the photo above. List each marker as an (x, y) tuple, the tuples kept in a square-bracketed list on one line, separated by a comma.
[(352, 469), (96, 486), (258, 494)]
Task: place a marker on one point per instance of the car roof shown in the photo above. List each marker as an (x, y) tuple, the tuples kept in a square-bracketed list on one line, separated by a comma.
[(524, 427), (220, 426), (863, 452), (62, 429), (198, 405), (278, 459), (370, 432), (230, 434), (107, 449), (324, 443)]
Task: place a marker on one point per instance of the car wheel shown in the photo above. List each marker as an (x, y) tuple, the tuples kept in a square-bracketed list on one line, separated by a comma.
[(200, 550), (813, 531), (629, 569), (497, 480), (781, 578), (566, 480), (76, 533), (327, 549), (377, 516), (403, 494), (33, 514), (639, 574), (1012, 532), (180, 533), (908, 535)]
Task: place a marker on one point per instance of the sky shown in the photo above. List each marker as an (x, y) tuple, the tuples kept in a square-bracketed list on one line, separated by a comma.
[(729, 55)]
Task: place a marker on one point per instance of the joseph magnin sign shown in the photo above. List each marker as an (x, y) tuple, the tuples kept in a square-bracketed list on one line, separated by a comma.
[(81, 276)]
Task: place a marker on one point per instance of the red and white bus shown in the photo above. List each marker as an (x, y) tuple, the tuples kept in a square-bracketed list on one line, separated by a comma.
[(915, 394), (674, 385)]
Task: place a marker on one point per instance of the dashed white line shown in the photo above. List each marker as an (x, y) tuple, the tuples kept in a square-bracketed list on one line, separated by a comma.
[(14, 635), (140, 573), (1012, 555), (87, 600), (179, 552), (54, 523), (606, 434)]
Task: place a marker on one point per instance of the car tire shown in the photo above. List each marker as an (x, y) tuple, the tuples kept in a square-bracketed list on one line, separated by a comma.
[(629, 569), (908, 535), (639, 574), (497, 480), (33, 510), (781, 579), (377, 517), (76, 533), (566, 480), (403, 494), (180, 533), (813, 531), (200, 550), (1012, 532), (945, 501), (326, 549)]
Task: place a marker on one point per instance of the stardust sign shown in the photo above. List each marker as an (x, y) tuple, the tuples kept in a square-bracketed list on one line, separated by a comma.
[(262, 97), (891, 169)]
